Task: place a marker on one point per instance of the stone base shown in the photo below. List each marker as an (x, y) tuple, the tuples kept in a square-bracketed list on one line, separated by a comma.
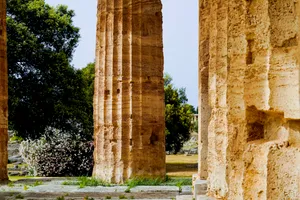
[(190, 197), (199, 186)]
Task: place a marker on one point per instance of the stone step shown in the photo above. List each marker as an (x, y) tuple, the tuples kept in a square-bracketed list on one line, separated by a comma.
[(54, 189), (95, 196), (190, 197)]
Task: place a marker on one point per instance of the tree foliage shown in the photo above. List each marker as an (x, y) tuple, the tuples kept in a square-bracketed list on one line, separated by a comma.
[(178, 116), (44, 89), (88, 73)]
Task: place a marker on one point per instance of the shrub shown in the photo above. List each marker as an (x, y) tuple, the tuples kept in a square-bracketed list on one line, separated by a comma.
[(58, 154)]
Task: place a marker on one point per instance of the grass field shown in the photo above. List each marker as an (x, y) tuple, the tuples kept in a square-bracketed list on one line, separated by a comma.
[(181, 165), (177, 166)]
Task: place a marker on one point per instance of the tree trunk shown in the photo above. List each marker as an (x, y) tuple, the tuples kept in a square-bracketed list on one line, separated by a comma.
[(3, 94)]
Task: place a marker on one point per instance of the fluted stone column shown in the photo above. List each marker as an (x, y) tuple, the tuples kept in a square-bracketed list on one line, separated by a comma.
[(129, 93), (3, 94), (249, 87), (204, 107)]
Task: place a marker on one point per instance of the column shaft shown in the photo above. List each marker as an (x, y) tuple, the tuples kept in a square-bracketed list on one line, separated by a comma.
[(3, 94), (249, 90), (129, 92)]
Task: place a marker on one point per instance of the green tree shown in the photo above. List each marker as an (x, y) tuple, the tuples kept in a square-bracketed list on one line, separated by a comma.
[(89, 76), (178, 116), (44, 89)]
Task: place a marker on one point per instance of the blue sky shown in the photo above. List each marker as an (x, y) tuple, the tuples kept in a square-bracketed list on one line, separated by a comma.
[(180, 21)]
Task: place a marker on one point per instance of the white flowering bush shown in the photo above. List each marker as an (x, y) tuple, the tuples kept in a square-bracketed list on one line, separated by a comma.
[(58, 154)]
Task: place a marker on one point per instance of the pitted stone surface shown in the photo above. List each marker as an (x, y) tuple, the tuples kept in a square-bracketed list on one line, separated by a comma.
[(249, 101), (129, 91)]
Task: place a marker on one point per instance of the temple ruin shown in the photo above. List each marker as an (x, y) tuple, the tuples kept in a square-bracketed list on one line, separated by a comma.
[(249, 95)]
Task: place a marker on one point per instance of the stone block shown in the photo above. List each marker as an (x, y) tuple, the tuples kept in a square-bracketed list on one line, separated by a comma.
[(200, 187)]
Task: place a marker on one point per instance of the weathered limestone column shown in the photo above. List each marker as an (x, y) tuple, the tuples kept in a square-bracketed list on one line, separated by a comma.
[(251, 50), (129, 93), (212, 100), (3, 94), (237, 59), (204, 108)]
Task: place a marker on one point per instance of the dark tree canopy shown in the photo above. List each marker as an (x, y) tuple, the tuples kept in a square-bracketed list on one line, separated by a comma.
[(44, 89)]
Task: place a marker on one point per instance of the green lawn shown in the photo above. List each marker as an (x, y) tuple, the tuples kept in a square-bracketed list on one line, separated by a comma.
[(177, 166)]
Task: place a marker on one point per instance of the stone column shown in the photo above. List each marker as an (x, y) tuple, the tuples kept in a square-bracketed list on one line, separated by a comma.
[(204, 108), (212, 98), (251, 51), (3, 94), (129, 91)]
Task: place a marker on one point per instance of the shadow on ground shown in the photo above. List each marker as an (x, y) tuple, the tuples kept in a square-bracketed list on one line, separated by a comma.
[(182, 169)]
